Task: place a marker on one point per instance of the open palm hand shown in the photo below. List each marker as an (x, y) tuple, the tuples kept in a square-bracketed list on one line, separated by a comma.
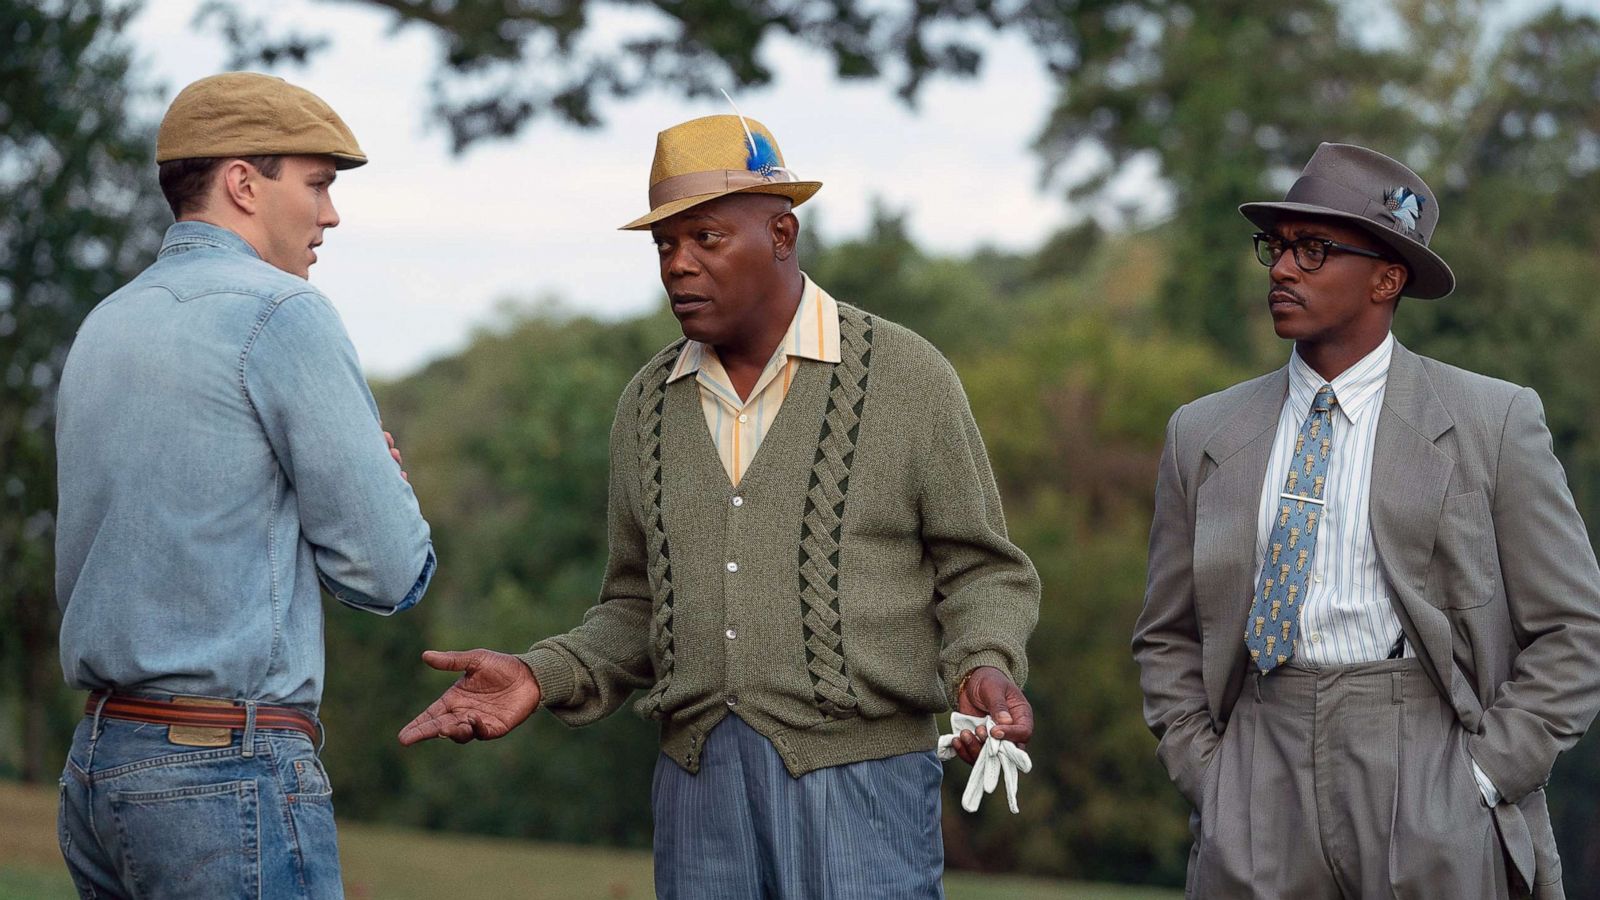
[(495, 693)]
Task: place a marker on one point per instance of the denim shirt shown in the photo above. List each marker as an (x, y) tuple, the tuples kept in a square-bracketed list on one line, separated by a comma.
[(219, 453)]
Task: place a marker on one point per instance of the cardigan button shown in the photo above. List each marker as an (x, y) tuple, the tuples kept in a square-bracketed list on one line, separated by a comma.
[(733, 567), (738, 501), (732, 700)]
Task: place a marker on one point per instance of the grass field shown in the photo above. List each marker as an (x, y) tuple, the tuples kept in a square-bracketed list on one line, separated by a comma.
[(391, 863)]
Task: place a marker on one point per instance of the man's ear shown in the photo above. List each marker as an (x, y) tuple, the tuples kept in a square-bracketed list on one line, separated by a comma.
[(785, 231), (1388, 282), (241, 185)]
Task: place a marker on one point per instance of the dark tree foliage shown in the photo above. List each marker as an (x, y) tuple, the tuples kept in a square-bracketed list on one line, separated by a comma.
[(1230, 98), (79, 214), (1522, 187), (503, 63), (1226, 97), (1192, 82)]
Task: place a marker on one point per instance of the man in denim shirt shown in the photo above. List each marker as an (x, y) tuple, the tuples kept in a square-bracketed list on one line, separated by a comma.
[(220, 454)]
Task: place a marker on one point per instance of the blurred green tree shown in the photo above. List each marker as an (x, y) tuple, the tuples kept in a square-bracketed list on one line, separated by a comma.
[(79, 215), (507, 446), (1225, 101), (1197, 106), (1521, 186)]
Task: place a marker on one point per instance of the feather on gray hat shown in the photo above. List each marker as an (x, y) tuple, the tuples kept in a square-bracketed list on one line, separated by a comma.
[(1366, 189)]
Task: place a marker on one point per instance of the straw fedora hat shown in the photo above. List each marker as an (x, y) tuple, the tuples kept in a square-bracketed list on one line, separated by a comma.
[(1382, 197), (712, 157)]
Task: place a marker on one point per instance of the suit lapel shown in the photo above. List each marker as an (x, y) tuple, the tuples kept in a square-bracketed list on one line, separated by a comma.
[(1227, 507), (1410, 475)]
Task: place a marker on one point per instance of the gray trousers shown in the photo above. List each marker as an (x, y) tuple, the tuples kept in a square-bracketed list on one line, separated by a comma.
[(1340, 783)]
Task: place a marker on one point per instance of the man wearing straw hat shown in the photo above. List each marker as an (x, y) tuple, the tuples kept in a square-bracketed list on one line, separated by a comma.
[(220, 455), (808, 561), (1373, 611)]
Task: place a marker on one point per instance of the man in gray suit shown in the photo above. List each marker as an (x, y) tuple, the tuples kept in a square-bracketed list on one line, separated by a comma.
[(1372, 619)]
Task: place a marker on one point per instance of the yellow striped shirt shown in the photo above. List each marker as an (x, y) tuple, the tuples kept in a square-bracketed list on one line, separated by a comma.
[(738, 426)]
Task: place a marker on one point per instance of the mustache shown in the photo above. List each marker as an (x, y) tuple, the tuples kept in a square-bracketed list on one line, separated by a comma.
[(1288, 291)]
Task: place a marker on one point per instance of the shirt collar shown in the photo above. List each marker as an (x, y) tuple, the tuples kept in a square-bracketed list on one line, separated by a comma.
[(191, 234), (1356, 387), (813, 334)]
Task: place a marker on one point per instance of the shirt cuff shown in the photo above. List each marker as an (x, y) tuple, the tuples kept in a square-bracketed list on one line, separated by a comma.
[(421, 585), (1491, 794)]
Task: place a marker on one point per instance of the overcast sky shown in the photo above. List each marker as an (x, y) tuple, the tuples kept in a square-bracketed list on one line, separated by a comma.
[(431, 242)]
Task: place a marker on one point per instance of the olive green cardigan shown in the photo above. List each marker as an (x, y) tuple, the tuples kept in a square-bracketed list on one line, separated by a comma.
[(835, 597)]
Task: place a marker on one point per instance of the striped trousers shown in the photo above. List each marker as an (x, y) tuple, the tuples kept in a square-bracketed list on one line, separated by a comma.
[(743, 828)]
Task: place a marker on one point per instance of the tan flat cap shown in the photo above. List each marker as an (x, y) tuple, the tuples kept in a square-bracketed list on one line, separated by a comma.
[(249, 114), (714, 156)]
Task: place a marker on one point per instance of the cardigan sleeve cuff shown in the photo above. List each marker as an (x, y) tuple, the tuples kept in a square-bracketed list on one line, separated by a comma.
[(557, 682)]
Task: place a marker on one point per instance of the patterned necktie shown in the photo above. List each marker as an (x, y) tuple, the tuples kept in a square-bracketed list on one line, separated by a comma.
[(1271, 633)]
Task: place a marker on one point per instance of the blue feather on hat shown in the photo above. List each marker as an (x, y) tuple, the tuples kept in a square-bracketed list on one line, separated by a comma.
[(763, 156), (1405, 205)]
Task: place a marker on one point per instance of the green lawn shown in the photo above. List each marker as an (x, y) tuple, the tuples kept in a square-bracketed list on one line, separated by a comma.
[(392, 863)]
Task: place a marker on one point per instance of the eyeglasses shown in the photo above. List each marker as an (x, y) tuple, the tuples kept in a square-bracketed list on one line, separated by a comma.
[(1309, 252)]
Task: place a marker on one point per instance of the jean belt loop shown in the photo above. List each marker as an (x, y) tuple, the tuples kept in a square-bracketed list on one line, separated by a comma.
[(94, 731), (322, 735), (247, 745)]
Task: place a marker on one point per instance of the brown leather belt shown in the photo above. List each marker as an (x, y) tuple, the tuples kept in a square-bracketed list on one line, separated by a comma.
[(214, 714)]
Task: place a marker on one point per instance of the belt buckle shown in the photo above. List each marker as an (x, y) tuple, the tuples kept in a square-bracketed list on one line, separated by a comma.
[(200, 735)]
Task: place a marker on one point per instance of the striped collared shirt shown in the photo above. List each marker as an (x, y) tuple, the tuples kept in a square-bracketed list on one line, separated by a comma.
[(738, 426), (1347, 616)]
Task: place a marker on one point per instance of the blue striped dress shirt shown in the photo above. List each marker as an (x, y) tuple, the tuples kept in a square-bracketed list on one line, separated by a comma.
[(1347, 616)]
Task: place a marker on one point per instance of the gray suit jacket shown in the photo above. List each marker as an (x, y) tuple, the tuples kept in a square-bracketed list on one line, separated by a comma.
[(1487, 561)]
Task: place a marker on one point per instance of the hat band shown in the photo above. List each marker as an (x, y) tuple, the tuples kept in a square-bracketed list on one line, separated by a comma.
[(1317, 191), (693, 184)]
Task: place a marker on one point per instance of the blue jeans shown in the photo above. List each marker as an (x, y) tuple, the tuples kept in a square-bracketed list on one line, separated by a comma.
[(743, 828), (144, 818)]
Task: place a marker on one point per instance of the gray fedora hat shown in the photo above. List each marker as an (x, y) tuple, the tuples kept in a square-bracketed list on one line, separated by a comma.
[(1366, 189)]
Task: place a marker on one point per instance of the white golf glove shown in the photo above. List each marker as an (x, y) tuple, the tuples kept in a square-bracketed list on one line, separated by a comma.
[(998, 757)]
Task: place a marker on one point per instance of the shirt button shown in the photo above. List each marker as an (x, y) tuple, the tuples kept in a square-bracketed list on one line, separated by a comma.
[(1316, 637), (738, 501), (731, 633), (1317, 579), (743, 418), (732, 700), (733, 567)]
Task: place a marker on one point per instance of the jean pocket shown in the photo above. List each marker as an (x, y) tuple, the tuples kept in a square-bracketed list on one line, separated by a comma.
[(69, 853), (310, 778), (308, 804), (63, 835), (201, 841)]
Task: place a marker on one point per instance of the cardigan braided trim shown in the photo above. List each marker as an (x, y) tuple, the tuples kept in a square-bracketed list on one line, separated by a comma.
[(822, 525), (652, 400)]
